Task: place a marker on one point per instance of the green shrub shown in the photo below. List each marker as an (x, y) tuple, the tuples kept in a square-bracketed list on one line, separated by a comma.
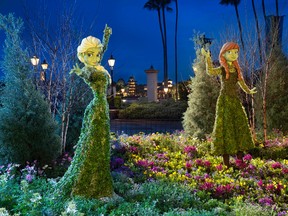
[(169, 110)]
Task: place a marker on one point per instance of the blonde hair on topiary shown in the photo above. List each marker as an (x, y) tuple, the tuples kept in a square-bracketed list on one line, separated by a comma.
[(87, 43)]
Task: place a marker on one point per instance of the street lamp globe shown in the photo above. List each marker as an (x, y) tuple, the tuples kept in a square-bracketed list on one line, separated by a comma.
[(34, 60), (44, 65), (111, 62)]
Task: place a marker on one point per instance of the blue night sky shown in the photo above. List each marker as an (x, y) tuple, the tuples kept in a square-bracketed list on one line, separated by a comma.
[(136, 42)]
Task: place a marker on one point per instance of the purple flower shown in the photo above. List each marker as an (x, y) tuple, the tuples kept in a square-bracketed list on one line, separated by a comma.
[(267, 201), (188, 175), (29, 178), (190, 149), (283, 213)]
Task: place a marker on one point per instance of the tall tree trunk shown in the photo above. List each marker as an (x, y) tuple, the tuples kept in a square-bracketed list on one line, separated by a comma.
[(265, 103), (258, 33), (176, 50), (277, 8), (240, 26), (163, 39), (165, 49), (264, 9)]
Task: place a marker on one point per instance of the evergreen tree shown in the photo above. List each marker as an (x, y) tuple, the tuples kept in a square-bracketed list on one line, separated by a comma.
[(199, 117), (27, 130)]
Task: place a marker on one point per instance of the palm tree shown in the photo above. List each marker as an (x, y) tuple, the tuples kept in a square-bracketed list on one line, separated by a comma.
[(176, 47), (235, 3), (161, 6)]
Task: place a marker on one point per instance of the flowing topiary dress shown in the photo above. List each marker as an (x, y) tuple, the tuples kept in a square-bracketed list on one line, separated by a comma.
[(89, 173), (231, 131)]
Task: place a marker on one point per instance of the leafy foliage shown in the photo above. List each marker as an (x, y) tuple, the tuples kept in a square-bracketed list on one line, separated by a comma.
[(27, 130)]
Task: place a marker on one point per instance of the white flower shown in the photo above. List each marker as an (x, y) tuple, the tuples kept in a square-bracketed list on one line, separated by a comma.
[(71, 208), (4, 212), (36, 197)]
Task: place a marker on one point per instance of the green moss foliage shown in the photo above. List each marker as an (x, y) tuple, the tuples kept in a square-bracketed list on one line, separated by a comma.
[(89, 173)]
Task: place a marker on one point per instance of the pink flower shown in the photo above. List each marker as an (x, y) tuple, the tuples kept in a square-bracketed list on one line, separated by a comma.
[(206, 186), (199, 162), (270, 187), (219, 167), (145, 163), (247, 157), (276, 165), (240, 164), (133, 149), (188, 165), (284, 170), (207, 163), (260, 183)]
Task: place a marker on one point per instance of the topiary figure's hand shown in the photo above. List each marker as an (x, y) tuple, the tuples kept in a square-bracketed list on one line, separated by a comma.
[(76, 69), (253, 91), (205, 53)]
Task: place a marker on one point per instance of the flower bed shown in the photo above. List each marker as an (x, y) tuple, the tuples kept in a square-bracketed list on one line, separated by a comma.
[(182, 159), (157, 174)]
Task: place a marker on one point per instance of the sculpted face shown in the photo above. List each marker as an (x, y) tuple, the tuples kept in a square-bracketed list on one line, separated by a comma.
[(231, 55), (92, 56)]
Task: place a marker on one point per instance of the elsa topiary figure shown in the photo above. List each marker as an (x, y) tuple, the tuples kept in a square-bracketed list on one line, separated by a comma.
[(231, 133), (89, 173)]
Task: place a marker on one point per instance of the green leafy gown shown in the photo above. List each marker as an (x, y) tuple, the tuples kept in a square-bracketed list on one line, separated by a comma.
[(89, 173), (231, 131)]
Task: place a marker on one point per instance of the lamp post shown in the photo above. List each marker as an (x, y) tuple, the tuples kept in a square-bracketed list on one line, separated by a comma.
[(35, 61), (44, 66), (111, 63)]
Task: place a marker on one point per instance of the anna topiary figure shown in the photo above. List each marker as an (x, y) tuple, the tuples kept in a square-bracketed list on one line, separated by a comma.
[(231, 133), (89, 173)]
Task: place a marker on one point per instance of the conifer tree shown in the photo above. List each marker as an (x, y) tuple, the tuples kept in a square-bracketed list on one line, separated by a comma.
[(27, 130), (198, 120)]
